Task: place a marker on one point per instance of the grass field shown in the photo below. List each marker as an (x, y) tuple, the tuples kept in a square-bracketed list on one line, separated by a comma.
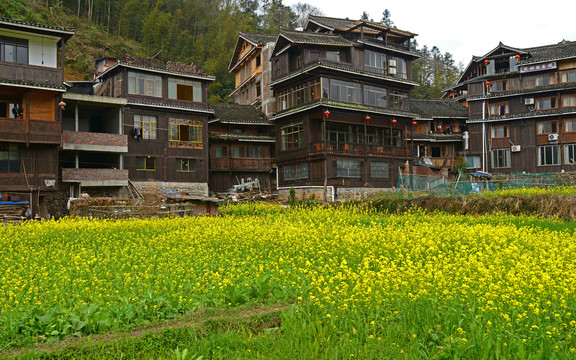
[(330, 283)]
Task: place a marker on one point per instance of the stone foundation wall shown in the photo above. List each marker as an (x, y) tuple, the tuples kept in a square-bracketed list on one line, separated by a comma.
[(185, 187)]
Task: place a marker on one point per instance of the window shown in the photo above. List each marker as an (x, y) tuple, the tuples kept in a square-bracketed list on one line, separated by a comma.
[(570, 154), (501, 158), (185, 165), (186, 131), (314, 56), (569, 100), (398, 100), (397, 139), (253, 152), (546, 79), (333, 55), (292, 137), (11, 110), (438, 151), (145, 163), (315, 90), (548, 155), (147, 124), (258, 61), (374, 62), (348, 168), (298, 95), (346, 91), (9, 158), (181, 89), (296, 171), (221, 151), (144, 84), (397, 67), (298, 61), (277, 67), (258, 89), (500, 131), (546, 103), (499, 109), (13, 50), (375, 96), (339, 133), (570, 125), (238, 151), (379, 169), (499, 85), (547, 127), (568, 76)]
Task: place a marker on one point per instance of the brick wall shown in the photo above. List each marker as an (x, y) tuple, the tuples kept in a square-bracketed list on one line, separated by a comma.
[(92, 138), (94, 174)]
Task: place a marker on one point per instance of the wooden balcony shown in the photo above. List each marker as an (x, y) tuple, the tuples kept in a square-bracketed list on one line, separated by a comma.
[(38, 132), (241, 164), (92, 141), (96, 177), (350, 149), (30, 73)]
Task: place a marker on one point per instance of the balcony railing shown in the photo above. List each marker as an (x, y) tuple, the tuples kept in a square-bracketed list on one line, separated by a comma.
[(351, 149), (227, 163), (30, 73), (92, 141), (43, 132)]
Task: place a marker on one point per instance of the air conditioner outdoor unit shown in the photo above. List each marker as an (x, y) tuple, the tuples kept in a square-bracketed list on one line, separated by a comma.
[(391, 63), (515, 148), (392, 71), (529, 101), (552, 137)]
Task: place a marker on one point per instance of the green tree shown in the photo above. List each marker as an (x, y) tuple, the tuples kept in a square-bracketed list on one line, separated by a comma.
[(386, 18), (277, 16)]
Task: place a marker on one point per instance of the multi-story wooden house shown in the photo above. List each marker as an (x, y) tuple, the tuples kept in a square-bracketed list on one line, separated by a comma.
[(342, 103), (31, 88), (250, 65), (241, 147), (166, 118), (522, 108), (439, 132), (93, 142)]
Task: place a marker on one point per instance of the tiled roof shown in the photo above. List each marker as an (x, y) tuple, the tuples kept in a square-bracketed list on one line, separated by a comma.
[(242, 137), (438, 137), (30, 84), (343, 25), (258, 39), (239, 114), (62, 31), (527, 115), (436, 108), (176, 68), (562, 50), (304, 37)]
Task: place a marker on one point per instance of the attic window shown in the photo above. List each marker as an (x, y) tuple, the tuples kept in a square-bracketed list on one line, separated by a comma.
[(180, 89)]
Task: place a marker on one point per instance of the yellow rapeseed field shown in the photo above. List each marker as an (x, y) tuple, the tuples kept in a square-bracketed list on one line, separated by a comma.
[(466, 278)]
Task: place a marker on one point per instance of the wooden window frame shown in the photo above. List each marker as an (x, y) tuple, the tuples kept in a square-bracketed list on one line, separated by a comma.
[(147, 160), (11, 154), (568, 96), (497, 106), (507, 162), (539, 149), (551, 80), (292, 136), (505, 131), (572, 123), (191, 165), (553, 103), (567, 72), (567, 149), (541, 127), (503, 85)]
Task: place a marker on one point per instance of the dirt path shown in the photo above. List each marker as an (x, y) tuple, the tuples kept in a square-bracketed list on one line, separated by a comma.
[(187, 320)]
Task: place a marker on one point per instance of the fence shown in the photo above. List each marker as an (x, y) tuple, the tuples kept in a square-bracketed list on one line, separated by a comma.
[(472, 184)]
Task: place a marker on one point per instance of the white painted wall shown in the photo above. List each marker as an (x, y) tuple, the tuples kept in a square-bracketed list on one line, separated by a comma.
[(42, 50)]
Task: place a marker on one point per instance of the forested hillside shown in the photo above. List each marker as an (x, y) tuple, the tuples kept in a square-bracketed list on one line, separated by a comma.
[(203, 32)]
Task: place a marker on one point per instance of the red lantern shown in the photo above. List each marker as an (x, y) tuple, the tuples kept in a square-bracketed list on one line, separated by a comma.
[(414, 123), (62, 105), (487, 83), (394, 121), (517, 57), (486, 62), (367, 118), (327, 114)]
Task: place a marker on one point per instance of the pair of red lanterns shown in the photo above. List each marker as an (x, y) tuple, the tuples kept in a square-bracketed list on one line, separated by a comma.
[(367, 118)]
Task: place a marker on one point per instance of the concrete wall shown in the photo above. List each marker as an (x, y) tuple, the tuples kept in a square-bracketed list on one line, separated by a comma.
[(341, 194)]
